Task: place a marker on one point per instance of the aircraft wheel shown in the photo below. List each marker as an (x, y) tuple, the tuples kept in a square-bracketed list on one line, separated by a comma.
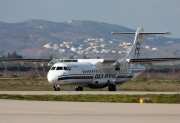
[(78, 88), (114, 88), (56, 88), (110, 87)]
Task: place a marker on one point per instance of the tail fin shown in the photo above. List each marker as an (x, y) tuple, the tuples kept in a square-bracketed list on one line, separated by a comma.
[(135, 52)]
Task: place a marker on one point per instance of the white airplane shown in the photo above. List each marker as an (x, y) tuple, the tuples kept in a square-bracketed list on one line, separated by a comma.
[(100, 73)]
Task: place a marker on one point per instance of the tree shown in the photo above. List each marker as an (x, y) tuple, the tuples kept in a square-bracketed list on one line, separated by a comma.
[(13, 55)]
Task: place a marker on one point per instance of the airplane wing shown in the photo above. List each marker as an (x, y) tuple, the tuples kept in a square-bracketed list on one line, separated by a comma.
[(152, 60), (25, 60)]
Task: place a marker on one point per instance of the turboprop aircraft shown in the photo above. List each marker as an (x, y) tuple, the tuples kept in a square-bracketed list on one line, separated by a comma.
[(99, 73)]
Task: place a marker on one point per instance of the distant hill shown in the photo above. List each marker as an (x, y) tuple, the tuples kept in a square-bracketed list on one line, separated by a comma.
[(32, 37)]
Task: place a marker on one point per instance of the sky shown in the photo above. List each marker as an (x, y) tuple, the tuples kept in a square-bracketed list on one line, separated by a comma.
[(152, 15)]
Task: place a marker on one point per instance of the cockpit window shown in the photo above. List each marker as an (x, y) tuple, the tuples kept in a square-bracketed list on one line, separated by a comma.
[(53, 68), (68, 68), (65, 68), (59, 68)]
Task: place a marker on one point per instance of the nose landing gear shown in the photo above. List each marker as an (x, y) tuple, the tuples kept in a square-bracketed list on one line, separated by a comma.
[(56, 88)]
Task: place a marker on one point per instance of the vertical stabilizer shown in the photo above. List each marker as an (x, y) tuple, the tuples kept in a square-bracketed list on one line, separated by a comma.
[(135, 51)]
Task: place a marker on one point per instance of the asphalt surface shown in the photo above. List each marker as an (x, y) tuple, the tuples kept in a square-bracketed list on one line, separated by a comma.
[(68, 92), (15, 111)]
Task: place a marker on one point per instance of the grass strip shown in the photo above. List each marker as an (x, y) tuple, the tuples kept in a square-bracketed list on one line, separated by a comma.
[(156, 98)]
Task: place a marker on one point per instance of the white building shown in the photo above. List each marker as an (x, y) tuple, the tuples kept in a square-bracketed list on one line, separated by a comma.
[(154, 48), (62, 50), (113, 51), (101, 39), (73, 49), (55, 47)]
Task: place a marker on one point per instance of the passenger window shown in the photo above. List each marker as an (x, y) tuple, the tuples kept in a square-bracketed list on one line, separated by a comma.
[(59, 68), (65, 68), (53, 68)]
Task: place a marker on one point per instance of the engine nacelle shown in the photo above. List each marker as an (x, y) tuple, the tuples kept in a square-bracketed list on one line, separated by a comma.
[(121, 64), (116, 64)]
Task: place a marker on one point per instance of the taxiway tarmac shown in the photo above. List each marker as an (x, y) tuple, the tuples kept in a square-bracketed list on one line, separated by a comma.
[(15, 111), (81, 92)]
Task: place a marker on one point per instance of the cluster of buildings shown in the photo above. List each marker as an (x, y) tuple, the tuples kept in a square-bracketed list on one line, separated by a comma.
[(91, 46)]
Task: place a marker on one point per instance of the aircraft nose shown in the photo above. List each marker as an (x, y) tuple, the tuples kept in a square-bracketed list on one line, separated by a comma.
[(52, 78)]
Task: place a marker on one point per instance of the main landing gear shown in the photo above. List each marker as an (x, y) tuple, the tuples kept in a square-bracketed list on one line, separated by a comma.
[(56, 88), (111, 87), (78, 88)]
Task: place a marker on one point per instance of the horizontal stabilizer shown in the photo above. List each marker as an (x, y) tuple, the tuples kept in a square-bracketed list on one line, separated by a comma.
[(147, 60), (141, 33)]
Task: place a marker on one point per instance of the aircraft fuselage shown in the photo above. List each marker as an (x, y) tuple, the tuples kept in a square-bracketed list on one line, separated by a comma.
[(87, 75)]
